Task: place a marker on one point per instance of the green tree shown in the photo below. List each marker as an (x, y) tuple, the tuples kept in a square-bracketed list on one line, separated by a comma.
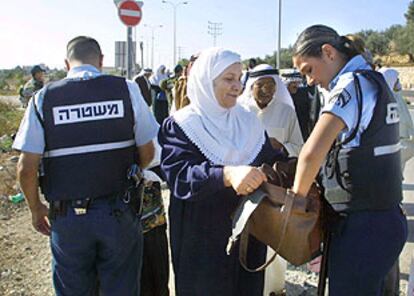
[(183, 62), (405, 41), (285, 58), (377, 43), (405, 38), (3, 85), (364, 34), (57, 75), (392, 32), (409, 15)]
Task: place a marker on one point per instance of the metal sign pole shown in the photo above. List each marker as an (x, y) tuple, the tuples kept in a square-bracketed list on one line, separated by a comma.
[(129, 53), (141, 46)]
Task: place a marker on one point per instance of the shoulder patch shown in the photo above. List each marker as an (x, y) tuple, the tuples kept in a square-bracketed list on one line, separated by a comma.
[(341, 97)]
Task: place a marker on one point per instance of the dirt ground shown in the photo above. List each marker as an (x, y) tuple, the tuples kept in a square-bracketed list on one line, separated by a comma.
[(24, 254)]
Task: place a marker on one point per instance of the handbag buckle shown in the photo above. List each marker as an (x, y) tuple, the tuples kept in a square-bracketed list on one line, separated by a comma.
[(230, 245)]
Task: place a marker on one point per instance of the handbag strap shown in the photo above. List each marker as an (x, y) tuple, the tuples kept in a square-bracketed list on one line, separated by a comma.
[(244, 239), (242, 215), (244, 243)]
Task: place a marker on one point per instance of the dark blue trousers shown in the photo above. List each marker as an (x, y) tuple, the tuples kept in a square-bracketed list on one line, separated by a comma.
[(364, 251), (104, 244)]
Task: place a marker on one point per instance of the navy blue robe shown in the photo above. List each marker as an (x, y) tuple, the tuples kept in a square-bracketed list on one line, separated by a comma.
[(200, 221)]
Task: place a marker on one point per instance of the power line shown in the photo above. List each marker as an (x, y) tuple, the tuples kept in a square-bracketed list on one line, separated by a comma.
[(215, 29)]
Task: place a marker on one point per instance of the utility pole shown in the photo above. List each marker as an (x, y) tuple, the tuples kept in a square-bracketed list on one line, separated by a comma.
[(174, 5), (152, 27), (180, 52), (279, 36), (214, 29), (141, 46)]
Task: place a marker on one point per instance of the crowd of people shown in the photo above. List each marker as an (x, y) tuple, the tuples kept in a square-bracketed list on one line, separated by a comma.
[(100, 147)]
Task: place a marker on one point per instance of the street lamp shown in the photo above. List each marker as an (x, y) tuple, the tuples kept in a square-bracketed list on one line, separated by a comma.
[(152, 27), (175, 5), (279, 36)]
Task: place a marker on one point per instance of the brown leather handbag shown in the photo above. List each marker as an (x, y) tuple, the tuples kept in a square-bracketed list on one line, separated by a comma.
[(289, 224)]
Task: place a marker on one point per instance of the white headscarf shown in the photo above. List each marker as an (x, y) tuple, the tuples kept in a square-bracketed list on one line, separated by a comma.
[(225, 136), (156, 78), (281, 94), (390, 76)]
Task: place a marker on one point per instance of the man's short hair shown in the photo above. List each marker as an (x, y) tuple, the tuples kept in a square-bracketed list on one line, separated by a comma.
[(252, 63), (36, 69), (84, 49)]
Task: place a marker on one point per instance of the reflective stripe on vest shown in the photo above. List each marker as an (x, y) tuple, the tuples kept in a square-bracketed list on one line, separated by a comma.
[(387, 149), (88, 149)]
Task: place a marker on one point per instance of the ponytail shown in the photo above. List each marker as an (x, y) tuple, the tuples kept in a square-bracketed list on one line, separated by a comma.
[(311, 40)]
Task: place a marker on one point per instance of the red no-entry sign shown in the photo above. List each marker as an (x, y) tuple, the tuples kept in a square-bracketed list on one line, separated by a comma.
[(130, 13)]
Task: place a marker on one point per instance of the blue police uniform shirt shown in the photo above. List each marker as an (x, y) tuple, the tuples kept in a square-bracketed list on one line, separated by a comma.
[(30, 137), (342, 101)]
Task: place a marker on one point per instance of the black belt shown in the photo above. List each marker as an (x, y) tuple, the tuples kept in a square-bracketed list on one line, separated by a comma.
[(80, 206)]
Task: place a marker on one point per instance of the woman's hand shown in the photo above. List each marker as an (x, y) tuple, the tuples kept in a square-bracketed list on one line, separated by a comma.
[(243, 179), (276, 144)]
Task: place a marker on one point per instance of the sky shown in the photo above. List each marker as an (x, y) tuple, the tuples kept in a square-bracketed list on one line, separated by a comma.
[(36, 31)]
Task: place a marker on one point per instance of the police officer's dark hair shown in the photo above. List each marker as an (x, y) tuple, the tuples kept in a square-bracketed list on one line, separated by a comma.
[(252, 62), (84, 49), (310, 41)]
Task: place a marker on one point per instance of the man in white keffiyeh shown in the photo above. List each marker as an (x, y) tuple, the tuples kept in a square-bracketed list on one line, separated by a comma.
[(267, 96)]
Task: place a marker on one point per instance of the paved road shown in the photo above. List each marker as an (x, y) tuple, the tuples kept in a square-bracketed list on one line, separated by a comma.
[(408, 187), (408, 93)]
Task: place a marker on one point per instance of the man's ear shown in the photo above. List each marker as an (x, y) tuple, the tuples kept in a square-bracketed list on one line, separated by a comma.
[(329, 51), (101, 61), (67, 64)]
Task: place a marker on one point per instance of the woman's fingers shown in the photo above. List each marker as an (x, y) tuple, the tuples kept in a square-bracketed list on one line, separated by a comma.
[(255, 178), (262, 175), (244, 179)]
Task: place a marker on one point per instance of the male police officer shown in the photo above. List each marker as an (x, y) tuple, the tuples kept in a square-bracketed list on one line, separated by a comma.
[(87, 130), (33, 85)]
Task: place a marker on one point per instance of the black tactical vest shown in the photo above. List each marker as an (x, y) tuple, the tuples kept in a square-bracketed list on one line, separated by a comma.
[(89, 138), (367, 177)]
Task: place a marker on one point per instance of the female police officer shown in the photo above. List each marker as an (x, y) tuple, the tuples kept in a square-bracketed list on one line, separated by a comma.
[(357, 133)]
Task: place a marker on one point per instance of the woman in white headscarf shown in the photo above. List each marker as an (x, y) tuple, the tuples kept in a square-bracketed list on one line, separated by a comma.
[(210, 151), (267, 96), (158, 76)]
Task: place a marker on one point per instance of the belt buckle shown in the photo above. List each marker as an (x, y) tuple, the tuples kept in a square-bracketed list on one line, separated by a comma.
[(79, 211), (81, 206)]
